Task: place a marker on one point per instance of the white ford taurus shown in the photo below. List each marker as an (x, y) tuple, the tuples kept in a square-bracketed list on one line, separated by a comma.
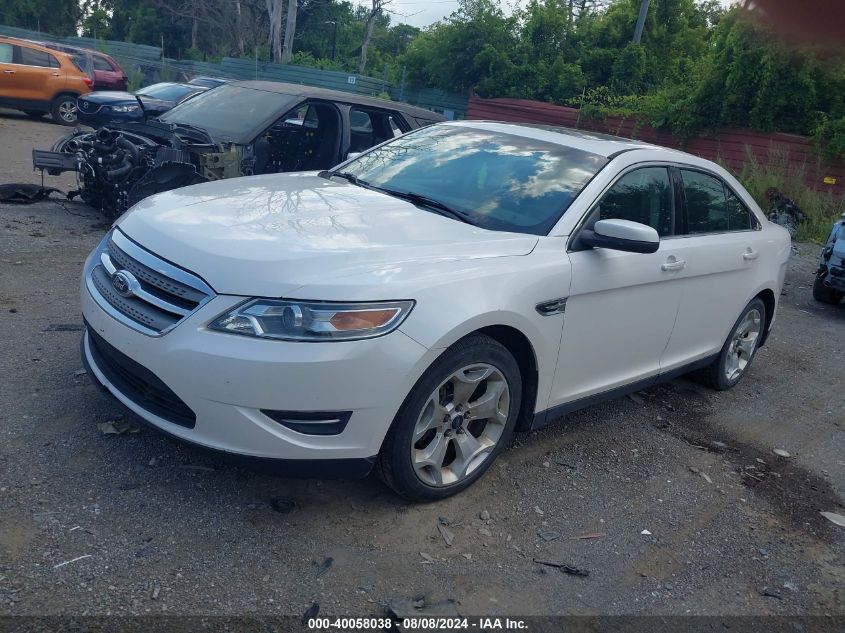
[(413, 307)]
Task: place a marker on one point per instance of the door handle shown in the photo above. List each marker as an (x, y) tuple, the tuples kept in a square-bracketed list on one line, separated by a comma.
[(750, 255), (55, 74), (673, 264), (9, 72)]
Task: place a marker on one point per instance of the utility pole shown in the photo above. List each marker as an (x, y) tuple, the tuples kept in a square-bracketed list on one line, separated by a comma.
[(638, 30), (334, 37)]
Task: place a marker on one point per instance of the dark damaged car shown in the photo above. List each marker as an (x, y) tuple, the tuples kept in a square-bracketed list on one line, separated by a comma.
[(829, 284), (237, 129), (97, 109)]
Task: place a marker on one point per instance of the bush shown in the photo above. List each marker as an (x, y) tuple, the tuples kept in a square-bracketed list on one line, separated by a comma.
[(822, 208)]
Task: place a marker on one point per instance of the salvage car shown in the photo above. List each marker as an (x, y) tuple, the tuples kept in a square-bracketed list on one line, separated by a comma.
[(409, 309), (829, 284), (100, 108), (103, 69), (40, 81), (236, 129)]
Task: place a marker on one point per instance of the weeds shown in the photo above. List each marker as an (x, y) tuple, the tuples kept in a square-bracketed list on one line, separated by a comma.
[(821, 208)]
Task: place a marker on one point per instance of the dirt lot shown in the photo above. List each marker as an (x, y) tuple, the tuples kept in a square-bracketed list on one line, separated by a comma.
[(731, 527)]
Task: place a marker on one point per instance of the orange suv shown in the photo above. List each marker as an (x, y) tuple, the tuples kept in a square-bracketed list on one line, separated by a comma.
[(38, 80)]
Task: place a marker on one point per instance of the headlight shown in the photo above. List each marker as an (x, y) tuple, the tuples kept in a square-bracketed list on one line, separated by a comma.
[(312, 320), (125, 108)]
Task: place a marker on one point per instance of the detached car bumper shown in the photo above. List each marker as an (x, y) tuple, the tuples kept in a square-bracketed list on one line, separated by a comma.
[(324, 406)]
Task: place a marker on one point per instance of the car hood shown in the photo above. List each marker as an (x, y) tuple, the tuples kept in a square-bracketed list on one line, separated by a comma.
[(270, 235), (108, 97)]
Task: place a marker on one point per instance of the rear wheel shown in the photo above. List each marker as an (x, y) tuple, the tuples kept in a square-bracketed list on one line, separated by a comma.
[(64, 110), (739, 350), (825, 294), (458, 417)]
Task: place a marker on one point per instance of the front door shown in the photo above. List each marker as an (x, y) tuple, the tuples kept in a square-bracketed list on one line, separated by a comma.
[(622, 306)]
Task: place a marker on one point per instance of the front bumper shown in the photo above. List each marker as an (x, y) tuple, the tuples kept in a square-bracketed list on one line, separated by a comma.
[(225, 381)]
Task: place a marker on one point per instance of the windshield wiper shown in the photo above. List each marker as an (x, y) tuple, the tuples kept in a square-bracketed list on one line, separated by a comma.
[(441, 207), (328, 174)]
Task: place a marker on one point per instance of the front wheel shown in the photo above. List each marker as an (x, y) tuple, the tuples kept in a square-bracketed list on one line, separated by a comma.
[(458, 417), (739, 350), (64, 110)]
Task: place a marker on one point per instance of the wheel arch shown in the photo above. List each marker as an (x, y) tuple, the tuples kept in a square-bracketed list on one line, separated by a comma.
[(518, 344), (767, 296), (64, 93)]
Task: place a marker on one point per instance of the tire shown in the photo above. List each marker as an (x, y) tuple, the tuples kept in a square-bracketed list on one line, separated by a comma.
[(459, 449), (63, 110), (734, 360), (825, 294), (33, 114)]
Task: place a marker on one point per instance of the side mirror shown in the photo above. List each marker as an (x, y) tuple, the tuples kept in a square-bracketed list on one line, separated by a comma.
[(621, 235)]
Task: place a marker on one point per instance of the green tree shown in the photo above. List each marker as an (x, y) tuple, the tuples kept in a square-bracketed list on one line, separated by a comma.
[(57, 17)]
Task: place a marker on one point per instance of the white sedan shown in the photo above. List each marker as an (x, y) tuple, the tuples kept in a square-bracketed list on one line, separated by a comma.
[(411, 308)]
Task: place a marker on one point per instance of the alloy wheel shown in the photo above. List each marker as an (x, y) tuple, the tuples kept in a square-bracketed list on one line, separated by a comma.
[(67, 110), (743, 344), (460, 424)]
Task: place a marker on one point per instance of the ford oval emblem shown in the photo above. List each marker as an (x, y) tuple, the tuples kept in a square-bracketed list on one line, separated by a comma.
[(122, 282)]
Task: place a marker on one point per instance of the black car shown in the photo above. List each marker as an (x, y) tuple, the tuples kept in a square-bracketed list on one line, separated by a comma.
[(236, 129), (102, 108)]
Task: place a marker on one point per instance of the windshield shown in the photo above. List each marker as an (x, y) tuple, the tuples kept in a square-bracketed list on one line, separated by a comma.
[(165, 92), (230, 112), (498, 181)]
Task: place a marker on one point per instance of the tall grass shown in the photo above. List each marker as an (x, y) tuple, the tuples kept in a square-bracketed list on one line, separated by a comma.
[(821, 208)]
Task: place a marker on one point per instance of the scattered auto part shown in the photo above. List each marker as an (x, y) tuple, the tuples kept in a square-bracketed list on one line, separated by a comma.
[(784, 211), (25, 193), (829, 284)]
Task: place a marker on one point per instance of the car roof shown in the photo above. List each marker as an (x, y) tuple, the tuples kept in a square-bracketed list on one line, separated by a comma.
[(594, 142), (35, 44), (310, 92)]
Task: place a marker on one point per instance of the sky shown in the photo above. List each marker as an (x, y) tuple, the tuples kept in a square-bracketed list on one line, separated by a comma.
[(422, 13)]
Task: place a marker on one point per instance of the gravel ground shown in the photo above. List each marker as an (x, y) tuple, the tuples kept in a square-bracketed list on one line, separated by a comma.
[(137, 524)]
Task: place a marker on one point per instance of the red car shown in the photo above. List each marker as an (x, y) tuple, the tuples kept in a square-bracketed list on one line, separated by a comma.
[(103, 70)]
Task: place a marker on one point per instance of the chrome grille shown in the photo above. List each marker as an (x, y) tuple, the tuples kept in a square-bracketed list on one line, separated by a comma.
[(141, 290)]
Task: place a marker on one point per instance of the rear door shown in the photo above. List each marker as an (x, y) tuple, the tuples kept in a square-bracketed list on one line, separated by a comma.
[(720, 247), (38, 75), (621, 306)]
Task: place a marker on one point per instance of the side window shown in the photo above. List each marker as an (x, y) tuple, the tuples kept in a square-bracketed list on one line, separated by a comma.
[(739, 217), (711, 206), (32, 57), (101, 64), (707, 210), (644, 196), (54, 63), (6, 56)]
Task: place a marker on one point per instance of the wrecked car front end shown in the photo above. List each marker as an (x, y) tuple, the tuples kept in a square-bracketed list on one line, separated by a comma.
[(121, 164)]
